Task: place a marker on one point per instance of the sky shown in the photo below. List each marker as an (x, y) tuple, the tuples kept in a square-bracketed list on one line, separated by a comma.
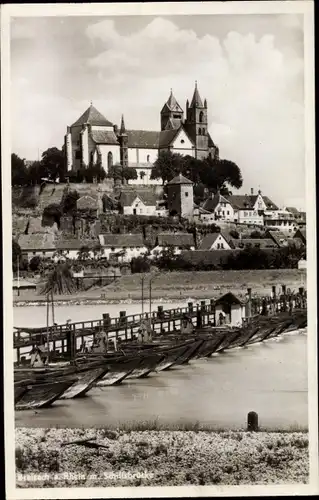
[(250, 68)]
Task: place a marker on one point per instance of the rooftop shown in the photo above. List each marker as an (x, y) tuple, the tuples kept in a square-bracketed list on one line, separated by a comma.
[(121, 240), (175, 239), (179, 179), (93, 117)]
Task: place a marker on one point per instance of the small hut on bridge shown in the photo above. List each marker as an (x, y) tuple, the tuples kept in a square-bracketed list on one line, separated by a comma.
[(230, 310)]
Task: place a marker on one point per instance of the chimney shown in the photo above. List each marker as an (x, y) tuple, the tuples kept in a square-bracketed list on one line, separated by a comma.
[(251, 191)]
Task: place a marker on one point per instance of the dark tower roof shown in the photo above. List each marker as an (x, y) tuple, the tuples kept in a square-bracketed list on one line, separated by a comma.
[(93, 117), (122, 129), (196, 101), (172, 104), (180, 179)]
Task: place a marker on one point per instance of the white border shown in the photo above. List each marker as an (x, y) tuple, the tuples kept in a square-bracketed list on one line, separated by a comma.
[(258, 7)]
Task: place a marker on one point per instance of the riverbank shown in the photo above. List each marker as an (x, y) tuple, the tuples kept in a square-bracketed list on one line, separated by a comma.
[(172, 286), (159, 457)]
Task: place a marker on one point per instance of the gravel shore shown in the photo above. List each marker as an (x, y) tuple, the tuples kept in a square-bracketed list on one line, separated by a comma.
[(159, 458)]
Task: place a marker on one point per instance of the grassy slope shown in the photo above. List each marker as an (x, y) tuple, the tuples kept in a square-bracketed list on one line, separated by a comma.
[(169, 457), (184, 285)]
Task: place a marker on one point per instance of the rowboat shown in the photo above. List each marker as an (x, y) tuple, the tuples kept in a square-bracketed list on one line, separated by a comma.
[(42, 395)]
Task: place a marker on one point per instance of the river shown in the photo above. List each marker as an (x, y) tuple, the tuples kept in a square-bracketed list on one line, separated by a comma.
[(269, 378)]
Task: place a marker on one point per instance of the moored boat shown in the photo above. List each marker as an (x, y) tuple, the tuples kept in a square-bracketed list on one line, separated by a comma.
[(42, 395)]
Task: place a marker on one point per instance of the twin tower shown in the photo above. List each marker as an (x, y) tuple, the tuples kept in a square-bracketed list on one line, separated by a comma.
[(195, 124)]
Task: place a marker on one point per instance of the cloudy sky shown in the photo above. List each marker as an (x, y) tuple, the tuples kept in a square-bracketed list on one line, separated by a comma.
[(249, 67)]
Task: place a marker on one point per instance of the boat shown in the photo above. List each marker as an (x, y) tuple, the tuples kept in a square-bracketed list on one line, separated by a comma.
[(42, 395), (118, 370), (19, 391), (148, 364), (84, 383)]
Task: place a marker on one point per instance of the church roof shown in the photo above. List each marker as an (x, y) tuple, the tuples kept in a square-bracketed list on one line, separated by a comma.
[(151, 139), (173, 123), (172, 105), (93, 117), (196, 101), (104, 137), (180, 179)]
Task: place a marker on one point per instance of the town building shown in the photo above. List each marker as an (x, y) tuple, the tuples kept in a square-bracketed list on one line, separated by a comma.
[(244, 243), (93, 138), (280, 219), (141, 203), (71, 249), (220, 207), (249, 209), (122, 247), (41, 244), (215, 241), (230, 310), (180, 197), (177, 241)]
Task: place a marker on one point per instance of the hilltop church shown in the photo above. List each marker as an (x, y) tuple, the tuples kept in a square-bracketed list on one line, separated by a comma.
[(93, 138)]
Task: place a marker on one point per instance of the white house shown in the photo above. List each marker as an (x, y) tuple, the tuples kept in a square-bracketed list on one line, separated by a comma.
[(249, 209), (41, 244), (141, 203), (70, 248), (220, 207), (122, 247), (280, 219), (230, 310), (215, 241), (177, 241)]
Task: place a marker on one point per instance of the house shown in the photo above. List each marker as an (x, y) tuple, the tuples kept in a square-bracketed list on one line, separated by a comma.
[(230, 310), (177, 241), (122, 247), (215, 241), (280, 219), (138, 203), (220, 207), (41, 244), (300, 217), (249, 209), (262, 243), (91, 204), (302, 235), (71, 248), (203, 216), (283, 240)]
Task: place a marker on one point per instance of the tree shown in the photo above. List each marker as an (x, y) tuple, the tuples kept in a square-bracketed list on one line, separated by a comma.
[(167, 166), (94, 170), (35, 263), (140, 264), (53, 164), (69, 199), (117, 172), (16, 255), (35, 172), (256, 235), (84, 253), (60, 280), (19, 172), (221, 173)]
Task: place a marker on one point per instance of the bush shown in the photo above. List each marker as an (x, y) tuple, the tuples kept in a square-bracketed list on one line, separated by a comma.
[(35, 263), (140, 265), (256, 235), (234, 234), (69, 199)]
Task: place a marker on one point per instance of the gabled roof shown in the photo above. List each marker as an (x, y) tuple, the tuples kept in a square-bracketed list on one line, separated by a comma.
[(36, 241), (179, 179), (75, 244), (143, 139), (242, 202), (209, 240), (167, 136), (211, 203), (172, 124), (302, 234), (253, 242), (149, 198), (229, 298), (86, 202), (121, 240), (175, 239), (292, 210), (278, 237), (196, 101), (104, 137), (93, 117)]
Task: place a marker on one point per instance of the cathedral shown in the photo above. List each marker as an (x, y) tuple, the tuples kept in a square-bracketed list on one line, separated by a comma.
[(93, 138)]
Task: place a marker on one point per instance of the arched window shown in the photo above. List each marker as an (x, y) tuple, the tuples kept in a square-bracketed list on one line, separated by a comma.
[(148, 158), (203, 131), (109, 160), (91, 157), (201, 117), (199, 131)]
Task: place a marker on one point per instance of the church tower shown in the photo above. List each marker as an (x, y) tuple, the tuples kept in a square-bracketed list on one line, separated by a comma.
[(196, 124), (123, 140), (172, 114)]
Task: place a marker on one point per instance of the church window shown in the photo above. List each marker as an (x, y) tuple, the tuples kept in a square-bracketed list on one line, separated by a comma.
[(109, 159), (199, 131), (201, 116), (91, 157), (203, 131), (78, 155), (148, 158)]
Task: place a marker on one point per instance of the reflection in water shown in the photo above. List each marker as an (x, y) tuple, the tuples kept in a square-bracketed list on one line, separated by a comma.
[(270, 378)]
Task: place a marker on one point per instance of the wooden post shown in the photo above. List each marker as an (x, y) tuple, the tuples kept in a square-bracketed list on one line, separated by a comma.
[(249, 303), (252, 421)]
